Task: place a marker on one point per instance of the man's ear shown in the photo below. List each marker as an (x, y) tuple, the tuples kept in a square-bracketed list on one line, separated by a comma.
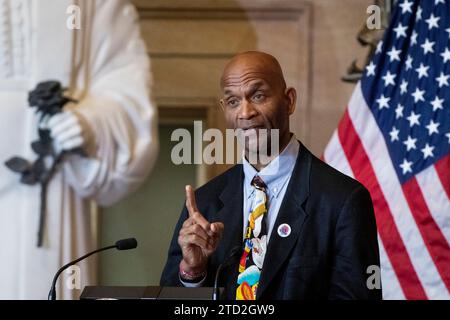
[(291, 96)]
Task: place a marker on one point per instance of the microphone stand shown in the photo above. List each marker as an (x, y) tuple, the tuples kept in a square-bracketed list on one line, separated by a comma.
[(52, 293), (227, 261)]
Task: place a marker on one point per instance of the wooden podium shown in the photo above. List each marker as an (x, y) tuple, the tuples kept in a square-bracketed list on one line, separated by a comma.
[(147, 293)]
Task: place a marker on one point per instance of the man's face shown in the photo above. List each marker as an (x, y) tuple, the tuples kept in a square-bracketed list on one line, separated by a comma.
[(255, 97)]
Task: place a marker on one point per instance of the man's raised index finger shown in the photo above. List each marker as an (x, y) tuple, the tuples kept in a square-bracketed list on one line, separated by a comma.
[(191, 204)]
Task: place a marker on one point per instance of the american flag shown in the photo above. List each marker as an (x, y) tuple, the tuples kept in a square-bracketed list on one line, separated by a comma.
[(395, 139)]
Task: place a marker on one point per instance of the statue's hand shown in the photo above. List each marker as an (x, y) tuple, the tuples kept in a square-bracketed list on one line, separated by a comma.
[(69, 131)]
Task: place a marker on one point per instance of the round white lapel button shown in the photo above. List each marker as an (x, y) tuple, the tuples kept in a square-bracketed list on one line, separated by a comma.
[(284, 230)]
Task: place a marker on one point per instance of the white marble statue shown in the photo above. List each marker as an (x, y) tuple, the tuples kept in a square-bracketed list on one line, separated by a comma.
[(106, 67)]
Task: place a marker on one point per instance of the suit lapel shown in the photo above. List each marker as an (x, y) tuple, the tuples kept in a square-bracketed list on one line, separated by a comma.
[(291, 213), (231, 214)]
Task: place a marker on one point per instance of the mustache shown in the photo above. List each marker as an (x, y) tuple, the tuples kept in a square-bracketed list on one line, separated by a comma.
[(247, 126)]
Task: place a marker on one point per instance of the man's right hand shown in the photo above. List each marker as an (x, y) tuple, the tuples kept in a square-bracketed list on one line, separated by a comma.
[(198, 238)]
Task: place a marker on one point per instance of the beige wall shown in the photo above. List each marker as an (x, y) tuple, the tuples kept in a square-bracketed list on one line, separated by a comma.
[(336, 24), (315, 41)]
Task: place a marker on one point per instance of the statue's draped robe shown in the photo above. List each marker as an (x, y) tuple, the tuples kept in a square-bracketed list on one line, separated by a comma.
[(105, 65)]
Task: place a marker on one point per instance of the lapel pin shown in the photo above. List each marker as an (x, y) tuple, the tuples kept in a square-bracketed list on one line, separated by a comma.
[(284, 230)]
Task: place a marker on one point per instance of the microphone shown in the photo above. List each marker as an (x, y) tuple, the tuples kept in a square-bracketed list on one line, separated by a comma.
[(233, 253), (124, 244)]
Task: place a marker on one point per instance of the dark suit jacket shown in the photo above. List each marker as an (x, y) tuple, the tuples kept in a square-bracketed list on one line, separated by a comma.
[(332, 242)]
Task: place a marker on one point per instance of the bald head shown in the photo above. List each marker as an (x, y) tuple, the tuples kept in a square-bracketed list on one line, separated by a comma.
[(256, 63), (255, 95)]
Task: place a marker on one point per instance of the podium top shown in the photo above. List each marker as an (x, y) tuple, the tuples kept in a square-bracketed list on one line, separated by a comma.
[(147, 293)]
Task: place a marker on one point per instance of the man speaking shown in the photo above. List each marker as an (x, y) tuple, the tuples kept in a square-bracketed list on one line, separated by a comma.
[(295, 228)]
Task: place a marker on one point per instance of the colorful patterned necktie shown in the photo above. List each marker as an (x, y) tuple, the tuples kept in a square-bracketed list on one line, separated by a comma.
[(255, 244)]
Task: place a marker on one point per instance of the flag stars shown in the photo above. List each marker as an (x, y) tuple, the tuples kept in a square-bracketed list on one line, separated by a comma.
[(410, 143), (432, 22), (419, 124), (400, 31), (409, 61), (418, 95), (394, 54), (403, 87), (432, 127), (427, 46), (419, 14), (394, 134), (399, 111), (414, 38), (446, 55), (389, 79), (379, 47), (383, 102), (370, 69), (436, 2), (442, 79), (406, 166), (413, 119), (422, 71), (427, 151), (437, 103), (406, 6)]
